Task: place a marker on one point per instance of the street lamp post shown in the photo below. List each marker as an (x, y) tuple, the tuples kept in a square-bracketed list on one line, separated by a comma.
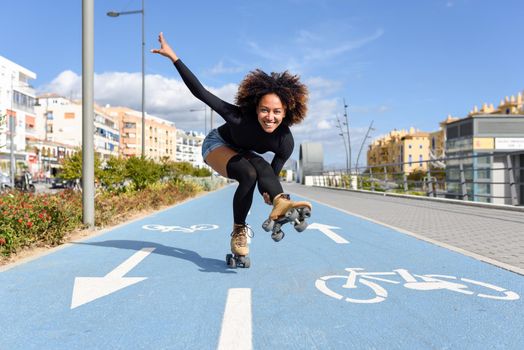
[(347, 130), (11, 138), (204, 109), (363, 142), (345, 145), (141, 11)]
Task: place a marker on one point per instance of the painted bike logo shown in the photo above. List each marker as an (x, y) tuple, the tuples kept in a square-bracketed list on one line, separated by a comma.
[(363, 280), (191, 229)]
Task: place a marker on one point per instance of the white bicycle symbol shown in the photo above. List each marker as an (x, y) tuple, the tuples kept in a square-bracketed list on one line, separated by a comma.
[(357, 279), (191, 229)]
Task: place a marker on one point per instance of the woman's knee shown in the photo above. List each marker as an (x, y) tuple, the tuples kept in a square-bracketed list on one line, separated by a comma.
[(242, 170), (261, 166)]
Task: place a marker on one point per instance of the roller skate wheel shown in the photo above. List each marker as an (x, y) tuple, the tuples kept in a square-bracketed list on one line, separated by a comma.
[(230, 260), (306, 212), (277, 236), (301, 226), (268, 225)]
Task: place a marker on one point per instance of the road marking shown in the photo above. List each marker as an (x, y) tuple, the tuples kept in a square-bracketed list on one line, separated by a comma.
[(236, 330), (87, 289), (326, 229)]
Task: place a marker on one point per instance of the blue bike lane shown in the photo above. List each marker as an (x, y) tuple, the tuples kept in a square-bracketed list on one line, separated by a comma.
[(162, 283)]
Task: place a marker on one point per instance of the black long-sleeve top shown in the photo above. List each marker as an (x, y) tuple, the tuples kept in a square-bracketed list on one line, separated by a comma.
[(242, 131)]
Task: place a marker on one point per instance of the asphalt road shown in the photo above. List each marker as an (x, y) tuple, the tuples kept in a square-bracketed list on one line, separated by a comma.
[(161, 282)]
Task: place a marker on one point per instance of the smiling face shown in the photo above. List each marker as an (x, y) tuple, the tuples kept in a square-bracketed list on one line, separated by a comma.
[(270, 112)]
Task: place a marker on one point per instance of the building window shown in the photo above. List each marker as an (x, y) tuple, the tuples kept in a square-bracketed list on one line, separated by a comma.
[(410, 159), (409, 146), (420, 159)]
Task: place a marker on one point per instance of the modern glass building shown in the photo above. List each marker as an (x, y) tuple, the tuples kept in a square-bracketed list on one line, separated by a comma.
[(489, 154)]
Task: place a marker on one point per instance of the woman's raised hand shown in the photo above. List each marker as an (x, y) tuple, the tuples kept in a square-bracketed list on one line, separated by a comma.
[(165, 49)]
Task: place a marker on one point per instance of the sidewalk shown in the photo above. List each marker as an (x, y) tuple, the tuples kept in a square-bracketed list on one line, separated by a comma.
[(492, 235)]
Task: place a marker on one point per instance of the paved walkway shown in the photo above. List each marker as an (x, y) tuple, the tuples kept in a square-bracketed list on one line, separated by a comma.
[(492, 235)]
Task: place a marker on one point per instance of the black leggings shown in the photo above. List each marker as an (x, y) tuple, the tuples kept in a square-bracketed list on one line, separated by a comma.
[(248, 170)]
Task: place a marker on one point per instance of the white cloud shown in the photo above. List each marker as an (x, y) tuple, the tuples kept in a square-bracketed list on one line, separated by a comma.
[(170, 99), (328, 53), (221, 68), (67, 83), (324, 125), (320, 87), (308, 49), (166, 98)]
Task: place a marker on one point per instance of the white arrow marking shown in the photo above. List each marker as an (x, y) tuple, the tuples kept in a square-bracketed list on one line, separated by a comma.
[(87, 289), (326, 229)]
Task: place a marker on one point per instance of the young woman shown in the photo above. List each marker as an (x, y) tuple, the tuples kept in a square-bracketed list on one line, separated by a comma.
[(266, 106)]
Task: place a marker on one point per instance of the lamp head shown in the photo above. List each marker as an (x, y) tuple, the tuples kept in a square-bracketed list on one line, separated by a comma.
[(113, 14)]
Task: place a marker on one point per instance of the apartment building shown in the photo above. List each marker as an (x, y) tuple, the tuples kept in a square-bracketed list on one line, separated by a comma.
[(160, 134), (411, 147), (59, 121), (189, 148), (17, 98)]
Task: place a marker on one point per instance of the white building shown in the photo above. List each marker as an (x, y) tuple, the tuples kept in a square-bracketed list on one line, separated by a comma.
[(159, 133), (60, 120), (189, 148), (17, 98)]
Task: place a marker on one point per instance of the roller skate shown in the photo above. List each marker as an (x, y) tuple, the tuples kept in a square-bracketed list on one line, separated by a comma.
[(284, 211), (239, 247)]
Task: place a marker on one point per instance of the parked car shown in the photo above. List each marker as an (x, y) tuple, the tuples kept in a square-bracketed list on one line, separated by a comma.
[(59, 182)]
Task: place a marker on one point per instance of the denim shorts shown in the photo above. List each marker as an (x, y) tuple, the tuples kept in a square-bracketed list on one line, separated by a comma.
[(212, 141)]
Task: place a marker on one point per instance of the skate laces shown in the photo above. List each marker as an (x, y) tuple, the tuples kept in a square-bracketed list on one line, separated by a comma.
[(242, 231)]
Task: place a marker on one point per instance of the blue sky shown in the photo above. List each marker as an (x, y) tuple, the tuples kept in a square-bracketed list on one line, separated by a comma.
[(400, 63)]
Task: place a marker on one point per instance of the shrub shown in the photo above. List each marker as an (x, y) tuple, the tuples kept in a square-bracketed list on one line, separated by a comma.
[(113, 175), (28, 219), (72, 167), (142, 172)]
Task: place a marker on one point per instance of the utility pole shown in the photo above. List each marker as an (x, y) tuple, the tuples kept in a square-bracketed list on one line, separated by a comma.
[(347, 131), (344, 139), (88, 161), (363, 142)]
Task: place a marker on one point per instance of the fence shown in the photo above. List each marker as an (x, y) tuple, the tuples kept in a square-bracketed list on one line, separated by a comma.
[(488, 177)]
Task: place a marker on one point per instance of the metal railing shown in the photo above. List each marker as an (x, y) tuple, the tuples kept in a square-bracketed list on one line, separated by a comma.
[(469, 177)]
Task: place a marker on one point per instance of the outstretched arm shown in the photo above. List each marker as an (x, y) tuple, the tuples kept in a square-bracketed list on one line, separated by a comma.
[(228, 111)]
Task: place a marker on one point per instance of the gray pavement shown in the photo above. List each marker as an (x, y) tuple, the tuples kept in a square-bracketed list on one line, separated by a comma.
[(488, 234)]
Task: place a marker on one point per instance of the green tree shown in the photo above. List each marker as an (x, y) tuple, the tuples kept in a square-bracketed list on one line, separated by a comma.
[(72, 167), (114, 173), (143, 172)]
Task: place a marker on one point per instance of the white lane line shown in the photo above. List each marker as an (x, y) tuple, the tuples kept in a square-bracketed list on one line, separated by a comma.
[(236, 325)]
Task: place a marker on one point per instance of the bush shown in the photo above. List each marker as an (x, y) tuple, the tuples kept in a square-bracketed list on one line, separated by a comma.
[(72, 167), (28, 219), (113, 175), (143, 172)]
